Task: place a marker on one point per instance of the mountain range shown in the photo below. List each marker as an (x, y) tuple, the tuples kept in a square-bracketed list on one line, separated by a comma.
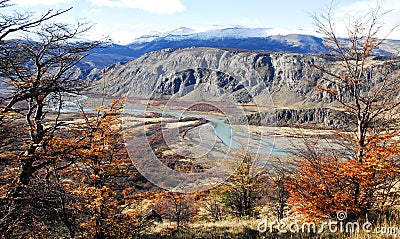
[(234, 37), (244, 65)]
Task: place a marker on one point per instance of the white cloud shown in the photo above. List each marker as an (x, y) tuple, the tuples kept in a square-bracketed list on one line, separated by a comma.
[(361, 7), (365, 5), (39, 2), (152, 6), (120, 33), (250, 22), (97, 32)]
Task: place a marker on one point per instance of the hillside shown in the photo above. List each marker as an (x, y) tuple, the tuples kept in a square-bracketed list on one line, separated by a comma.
[(170, 71), (266, 79)]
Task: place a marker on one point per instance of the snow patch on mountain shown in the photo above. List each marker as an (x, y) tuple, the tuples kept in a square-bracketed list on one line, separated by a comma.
[(214, 31), (217, 32)]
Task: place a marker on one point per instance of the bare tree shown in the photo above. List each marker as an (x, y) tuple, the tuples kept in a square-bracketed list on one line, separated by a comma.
[(37, 68), (12, 26), (179, 208), (19, 22), (366, 86), (214, 207), (358, 172), (278, 194)]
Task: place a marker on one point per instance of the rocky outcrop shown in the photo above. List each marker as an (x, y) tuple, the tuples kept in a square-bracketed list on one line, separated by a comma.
[(325, 118), (247, 75)]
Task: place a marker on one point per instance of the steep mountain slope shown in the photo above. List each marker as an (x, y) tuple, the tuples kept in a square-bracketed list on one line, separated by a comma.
[(288, 77), (284, 81), (101, 59), (109, 55)]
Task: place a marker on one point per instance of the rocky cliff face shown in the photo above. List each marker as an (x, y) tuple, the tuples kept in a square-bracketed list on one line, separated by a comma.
[(276, 80), (324, 118), (288, 77)]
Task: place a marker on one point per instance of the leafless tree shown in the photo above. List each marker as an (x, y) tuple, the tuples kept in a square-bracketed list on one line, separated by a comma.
[(357, 171), (214, 208), (277, 193), (37, 68), (179, 208), (366, 86), (20, 22)]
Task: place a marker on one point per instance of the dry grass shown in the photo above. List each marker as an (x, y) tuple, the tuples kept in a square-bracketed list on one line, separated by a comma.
[(247, 228)]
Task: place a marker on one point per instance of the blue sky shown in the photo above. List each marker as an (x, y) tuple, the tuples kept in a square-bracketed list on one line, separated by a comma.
[(124, 20)]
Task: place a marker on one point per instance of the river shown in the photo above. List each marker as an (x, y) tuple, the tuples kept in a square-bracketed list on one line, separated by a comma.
[(232, 137)]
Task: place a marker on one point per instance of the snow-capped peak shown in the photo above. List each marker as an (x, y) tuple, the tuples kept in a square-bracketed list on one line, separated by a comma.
[(181, 31), (214, 31)]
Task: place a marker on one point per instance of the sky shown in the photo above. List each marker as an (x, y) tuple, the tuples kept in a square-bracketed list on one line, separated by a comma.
[(124, 20)]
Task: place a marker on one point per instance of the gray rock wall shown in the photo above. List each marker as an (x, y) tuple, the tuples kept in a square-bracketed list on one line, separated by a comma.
[(284, 81)]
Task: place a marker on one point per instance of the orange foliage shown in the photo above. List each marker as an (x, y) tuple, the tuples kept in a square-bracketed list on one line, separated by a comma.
[(326, 183), (100, 159)]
